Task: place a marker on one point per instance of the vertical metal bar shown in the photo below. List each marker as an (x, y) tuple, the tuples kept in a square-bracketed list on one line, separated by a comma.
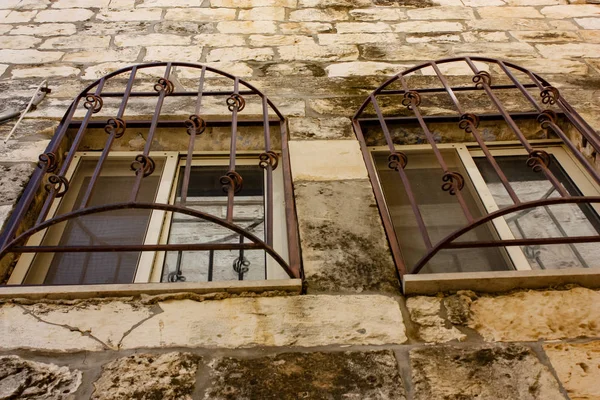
[(192, 132), (232, 150), (405, 181), (269, 172), (478, 138), (513, 126), (211, 264), (109, 141), (151, 132)]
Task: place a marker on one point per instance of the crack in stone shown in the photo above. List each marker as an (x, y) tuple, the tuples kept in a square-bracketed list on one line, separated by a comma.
[(154, 311), (69, 327)]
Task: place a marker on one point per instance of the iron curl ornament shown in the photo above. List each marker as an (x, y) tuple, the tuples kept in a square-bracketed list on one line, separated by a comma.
[(236, 101), (538, 160), (468, 122), (232, 180), (268, 158), (59, 184), (143, 164), (164, 84), (546, 118), (397, 160), (116, 126), (411, 99), (48, 160), (482, 78), (549, 95), (195, 125), (93, 102), (453, 181)]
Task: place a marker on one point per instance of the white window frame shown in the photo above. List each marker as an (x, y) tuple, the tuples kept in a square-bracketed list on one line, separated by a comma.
[(150, 263)]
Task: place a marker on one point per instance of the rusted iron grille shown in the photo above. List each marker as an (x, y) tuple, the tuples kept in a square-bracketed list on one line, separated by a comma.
[(50, 176), (547, 107)]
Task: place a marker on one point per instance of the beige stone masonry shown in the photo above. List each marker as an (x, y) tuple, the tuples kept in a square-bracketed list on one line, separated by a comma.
[(272, 321), (152, 39), (179, 53), (130, 15), (30, 56), (3, 68), (170, 3), (331, 39), (247, 27), (13, 17), (241, 54), (571, 10), (588, 23), (508, 24), (76, 42), (68, 15), (362, 27), (45, 30), (320, 128), (589, 50), (125, 54), (80, 3), (322, 160), (425, 311), (334, 3), (305, 28), (314, 14), (378, 14), (423, 26), (361, 68), (578, 368), (263, 14), (200, 14), (535, 315), (445, 13), (509, 12), (18, 42), (45, 72), (546, 37), (433, 37), (279, 40), (219, 40), (253, 3), (318, 53)]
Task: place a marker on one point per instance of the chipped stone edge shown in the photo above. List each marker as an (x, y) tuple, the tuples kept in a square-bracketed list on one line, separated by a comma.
[(153, 290), (499, 281)]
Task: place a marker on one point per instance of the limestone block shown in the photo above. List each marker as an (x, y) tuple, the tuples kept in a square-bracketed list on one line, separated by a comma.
[(562, 25), (66, 15), (362, 27), (488, 373), (169, 376), (427, 26), (3, 68), (106, 322), (425, 311), (121, 4), (378, 14), (15, 17), (247, 27), (130, 15), (591, 36), (444, 13), (253, 3), (263, 14), (533, 2), (566, 67), (272, 321), (18, 42), (534, 315), (13, 178), (362, 68), (151, 39), (331, 39), (320, 128), (5, 28), (571, 11), (9, 4), (25, 379), (76, 42), (393, 52), (326, 160), (200, 14), (578, 368), (590, 50), (334, 3), (315, 14), (80, 3), (318, 53), (218, 40), (433, 37), (546, 37), (179, 53), (241, 54), (508, 24), (45, 30), (509, 12), (169, 3), (289, 376), (588, 23), (116, 28), (88, 56), (21, 330), (337, 106), (295, 28), (344, 247), (499, 50), (45, 72), (279, 40), (287, 69), (483, 3)]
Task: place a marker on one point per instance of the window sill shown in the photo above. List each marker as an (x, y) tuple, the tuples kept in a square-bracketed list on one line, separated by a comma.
[(499, 281), (70, 292)]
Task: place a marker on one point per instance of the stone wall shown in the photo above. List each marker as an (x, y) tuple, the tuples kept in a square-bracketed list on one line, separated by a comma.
[(353, 335)]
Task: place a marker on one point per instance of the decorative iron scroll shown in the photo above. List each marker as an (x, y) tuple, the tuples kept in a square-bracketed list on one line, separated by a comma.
[(486, 73)]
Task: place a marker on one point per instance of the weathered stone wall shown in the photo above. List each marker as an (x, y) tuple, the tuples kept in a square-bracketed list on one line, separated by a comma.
[(353, 335)]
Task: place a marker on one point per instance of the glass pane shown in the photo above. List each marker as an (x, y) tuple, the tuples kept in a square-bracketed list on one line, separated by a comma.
[(106, 228), (441, 213), (205, 193), (544, 222)]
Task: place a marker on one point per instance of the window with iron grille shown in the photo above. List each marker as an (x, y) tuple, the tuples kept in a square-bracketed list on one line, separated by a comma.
[(119, 199), (490, 172)]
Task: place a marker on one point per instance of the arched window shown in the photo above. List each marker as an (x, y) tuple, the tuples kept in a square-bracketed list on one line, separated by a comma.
[(129, 191), (481, 165)]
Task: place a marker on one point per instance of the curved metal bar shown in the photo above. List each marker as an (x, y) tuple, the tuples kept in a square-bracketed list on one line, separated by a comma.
[(442, 244), (150, 206)]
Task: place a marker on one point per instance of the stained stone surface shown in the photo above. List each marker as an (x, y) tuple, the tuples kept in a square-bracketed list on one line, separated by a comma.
[(578, 368), (26, 379), (13, 177), (425, 311), (148, 377), (344, 247), (510, 372), (291, 376)]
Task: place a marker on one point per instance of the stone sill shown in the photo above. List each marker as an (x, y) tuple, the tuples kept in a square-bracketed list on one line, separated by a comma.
[(499, 281), (70, 292)]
